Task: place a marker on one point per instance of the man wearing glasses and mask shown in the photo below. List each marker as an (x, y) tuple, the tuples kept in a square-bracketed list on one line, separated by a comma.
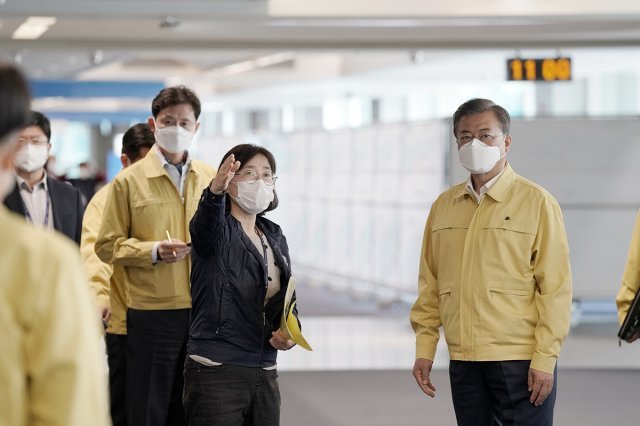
[(41, 199), (495, 274)]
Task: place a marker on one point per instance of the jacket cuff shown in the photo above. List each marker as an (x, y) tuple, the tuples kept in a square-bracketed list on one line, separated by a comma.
[(103, 301), (211, 200), (144, 255), (426, 350), (543, 363)]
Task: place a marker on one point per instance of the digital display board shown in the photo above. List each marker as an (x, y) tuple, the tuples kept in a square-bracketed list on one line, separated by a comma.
[(545, 69)]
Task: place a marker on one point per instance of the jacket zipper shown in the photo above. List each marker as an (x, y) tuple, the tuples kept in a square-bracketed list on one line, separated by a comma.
[(264, 324), (264, 317), (220, 309), (265, 265)]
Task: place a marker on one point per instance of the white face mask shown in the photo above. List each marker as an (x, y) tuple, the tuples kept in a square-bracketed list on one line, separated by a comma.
[(478, 157), (173, 139), (254, 197), (31, 157)]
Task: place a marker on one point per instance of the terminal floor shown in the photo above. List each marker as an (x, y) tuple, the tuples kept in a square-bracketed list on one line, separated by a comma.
[(391, 398), (360, 370)]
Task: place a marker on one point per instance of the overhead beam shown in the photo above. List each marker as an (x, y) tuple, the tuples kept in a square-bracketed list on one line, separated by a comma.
[(204, 46), (136, 8), (449, 8)]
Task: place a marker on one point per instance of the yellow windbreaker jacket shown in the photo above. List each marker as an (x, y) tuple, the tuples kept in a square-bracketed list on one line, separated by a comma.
[(98, 272), (631, 276), (143, 204), (52, 362), (495, 275), (105, 280)]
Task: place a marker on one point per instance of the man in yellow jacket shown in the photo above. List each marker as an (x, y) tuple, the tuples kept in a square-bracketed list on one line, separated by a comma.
[(145, 230), (51, 366), (495, 274), (107, 281), (630, 278)]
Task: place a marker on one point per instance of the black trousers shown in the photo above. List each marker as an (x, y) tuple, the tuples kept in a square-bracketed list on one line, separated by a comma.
[(230, 395), (496, 393), (156, 348), (117, 361)]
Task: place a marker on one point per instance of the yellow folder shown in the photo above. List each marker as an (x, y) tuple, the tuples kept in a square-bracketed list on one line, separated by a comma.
[(289, 323)]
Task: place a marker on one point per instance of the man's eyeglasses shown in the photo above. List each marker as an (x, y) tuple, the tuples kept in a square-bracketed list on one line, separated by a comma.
[(33, 141), (484, 138), (251, 176)]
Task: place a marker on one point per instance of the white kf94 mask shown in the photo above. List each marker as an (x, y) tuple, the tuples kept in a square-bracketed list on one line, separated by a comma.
[(478, 157), (254, 197)]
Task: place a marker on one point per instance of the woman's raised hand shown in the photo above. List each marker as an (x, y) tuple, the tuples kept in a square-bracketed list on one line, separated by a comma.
[(226, 172)]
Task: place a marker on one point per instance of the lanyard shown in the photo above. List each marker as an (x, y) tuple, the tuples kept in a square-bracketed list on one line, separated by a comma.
[(267, 278), (46, 214)]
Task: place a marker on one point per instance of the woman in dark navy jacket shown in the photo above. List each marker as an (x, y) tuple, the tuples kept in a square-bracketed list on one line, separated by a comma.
[(241, 268)]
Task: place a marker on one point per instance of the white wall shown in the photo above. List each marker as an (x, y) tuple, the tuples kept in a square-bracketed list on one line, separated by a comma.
[(354, 202)]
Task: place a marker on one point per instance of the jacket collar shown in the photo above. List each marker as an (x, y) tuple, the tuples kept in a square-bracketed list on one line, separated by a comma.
[(499, 191), (153, 166), (42, 182)]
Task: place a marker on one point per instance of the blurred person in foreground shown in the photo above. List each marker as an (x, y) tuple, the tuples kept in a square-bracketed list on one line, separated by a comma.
[(51, 365), (495, 274), (106, 281)]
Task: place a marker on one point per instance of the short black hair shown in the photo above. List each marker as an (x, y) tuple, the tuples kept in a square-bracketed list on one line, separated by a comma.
[(40, 120), (135, 138), (15, 101), (478, 106), (244, 153), (175, 95)]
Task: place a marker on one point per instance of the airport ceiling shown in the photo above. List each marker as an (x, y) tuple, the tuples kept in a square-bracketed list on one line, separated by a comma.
[(157, 39)]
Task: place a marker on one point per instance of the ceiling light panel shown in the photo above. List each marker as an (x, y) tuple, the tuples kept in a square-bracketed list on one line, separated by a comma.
[(33, 28)]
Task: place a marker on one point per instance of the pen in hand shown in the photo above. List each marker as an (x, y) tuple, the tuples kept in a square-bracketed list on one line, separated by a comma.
[(171, 242)]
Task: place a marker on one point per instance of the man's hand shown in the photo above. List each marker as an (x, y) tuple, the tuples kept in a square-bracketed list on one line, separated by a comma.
[(540, 385), (174, 251), (105, 314), (422, 374), (280, 341)]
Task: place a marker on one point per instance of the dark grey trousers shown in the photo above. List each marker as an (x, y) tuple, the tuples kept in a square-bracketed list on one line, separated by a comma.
[(156, 347), (496, 393), (230, 395), (117, 360)]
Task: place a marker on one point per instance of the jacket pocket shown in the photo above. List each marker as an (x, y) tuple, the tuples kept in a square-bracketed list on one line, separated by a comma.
[(512, 243), (511, 315), (509, 291), (443, 226), (220, 317), (448, 306), (511, 226), (156, 283), (447, 241), (445, 292), (150, 218)]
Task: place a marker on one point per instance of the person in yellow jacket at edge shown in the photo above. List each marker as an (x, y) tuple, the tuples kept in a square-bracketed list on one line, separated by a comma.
[(495, 274), (107, 281), (145, 230), (51, 365), (630, 278)]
